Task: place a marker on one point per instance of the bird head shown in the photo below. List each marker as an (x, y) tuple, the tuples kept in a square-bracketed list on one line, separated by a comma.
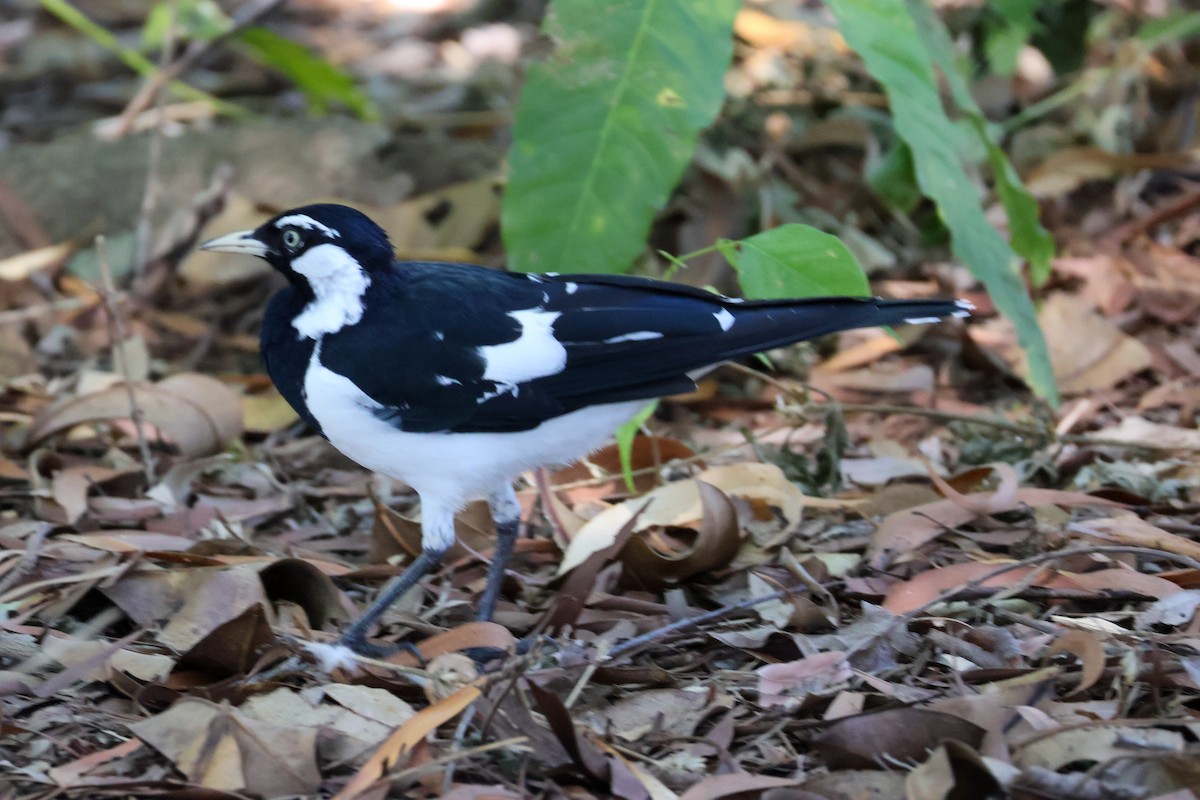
[(311, 243)]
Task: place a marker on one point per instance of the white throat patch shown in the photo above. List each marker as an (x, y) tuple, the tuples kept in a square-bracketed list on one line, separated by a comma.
[(338, 284)]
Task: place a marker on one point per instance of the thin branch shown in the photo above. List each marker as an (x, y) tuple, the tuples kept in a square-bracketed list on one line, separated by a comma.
[(150, 189), (692, 622), (247, 15), (116, 332)]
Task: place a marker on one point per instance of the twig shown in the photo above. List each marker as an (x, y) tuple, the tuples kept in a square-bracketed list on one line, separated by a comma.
[(692, 622), (116, 332), (460, 733), (458, 755), (963, 649), (28, 559), (153, 154), (19, 316), (171, 70), (1158, 216), (601, 651)]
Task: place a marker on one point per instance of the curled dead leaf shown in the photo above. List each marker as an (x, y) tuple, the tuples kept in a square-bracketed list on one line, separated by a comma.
[(197, 413), (657, 560), (681, 504)]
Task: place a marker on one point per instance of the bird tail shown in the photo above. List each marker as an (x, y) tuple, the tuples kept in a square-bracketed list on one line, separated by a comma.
[(762, 325)]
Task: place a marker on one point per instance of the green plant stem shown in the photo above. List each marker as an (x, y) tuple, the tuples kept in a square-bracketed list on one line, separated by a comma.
[(133, 59)]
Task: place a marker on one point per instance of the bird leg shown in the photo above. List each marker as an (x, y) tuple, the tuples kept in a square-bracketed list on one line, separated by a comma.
[(437, 536), (506, 513)]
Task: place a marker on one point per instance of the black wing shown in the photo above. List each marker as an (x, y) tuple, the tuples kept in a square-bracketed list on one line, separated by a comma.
[(450, 347)]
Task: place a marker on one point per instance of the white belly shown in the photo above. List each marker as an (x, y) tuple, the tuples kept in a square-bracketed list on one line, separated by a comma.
[(451, 468)]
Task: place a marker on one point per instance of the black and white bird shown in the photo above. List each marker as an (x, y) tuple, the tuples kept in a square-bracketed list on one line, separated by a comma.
[(455, 378)]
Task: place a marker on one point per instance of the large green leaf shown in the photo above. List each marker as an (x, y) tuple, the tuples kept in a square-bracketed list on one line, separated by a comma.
[(1028, 238), (795, 261), (320, 81), (886, 36), (605, 127)]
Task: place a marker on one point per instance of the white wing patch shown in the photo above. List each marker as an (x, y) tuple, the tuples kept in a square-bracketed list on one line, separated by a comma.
[(922, 320), (534, 354), (338, 283), (307, 222), (447, 381), (636, 336), (724, 319)]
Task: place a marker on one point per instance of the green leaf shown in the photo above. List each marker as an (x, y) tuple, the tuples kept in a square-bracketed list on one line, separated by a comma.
[(321, 82), (795, 261), (201, 20), (891, 43), (625, 436), (1172, 28), (1008, 31), (893, 179), (1028, 238), (605, 127)]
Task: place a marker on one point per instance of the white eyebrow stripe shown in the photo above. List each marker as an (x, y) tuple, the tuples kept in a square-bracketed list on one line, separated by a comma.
[(305, 221)]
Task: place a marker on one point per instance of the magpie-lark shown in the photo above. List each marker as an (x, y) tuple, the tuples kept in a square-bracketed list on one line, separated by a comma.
[(455, 378)]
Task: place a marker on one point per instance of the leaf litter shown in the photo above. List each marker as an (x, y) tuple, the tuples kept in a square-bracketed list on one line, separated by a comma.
[(985, 599)]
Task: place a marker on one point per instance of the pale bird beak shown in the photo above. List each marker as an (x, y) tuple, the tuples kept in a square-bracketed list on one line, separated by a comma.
[(240, 242)]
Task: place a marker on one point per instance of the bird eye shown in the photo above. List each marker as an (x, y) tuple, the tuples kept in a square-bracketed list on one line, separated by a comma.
[(291, 239)]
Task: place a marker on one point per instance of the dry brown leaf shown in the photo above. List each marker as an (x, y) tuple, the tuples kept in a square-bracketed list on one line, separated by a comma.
[(657, 561), (404, 739), (70, 775), (1087, 351), (206, 269), (736, 785), (673, 712), (1131, 529), (219, 747), (1137, 430), (896, 735), (463, 637), (953, 770), (1174, 611), (102, 659), (908, 529), (786, 685), (648, 452), (444, 224), (680, 504), (24, 265), (198, 414), (926, 587), (1067, 169), (1096, 743), (187, 604), (795, 36), (1085, 646), (70, 487), (267, 412), (357, 719), (1125, 579)]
